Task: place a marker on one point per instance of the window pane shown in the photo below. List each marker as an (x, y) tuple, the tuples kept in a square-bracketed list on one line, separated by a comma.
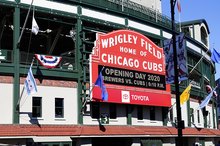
[(152, 113), (140, 113), (95, 110), (37, 101), (59, 102), (204, 35), (59, 107), (165, 114), (192, 115), (36, 107), (113, 111), (198, 116)]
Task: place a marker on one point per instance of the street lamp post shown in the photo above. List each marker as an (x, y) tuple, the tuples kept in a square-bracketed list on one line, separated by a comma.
[(180, 123)]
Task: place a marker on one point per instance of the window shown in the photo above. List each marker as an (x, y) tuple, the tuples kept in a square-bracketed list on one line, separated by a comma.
[(206, 70), (209, 123), (171, 114), (165, 117), (186, 31), (192, 60), (198, 116), (192, 114), (204, 36), (195, 76), (112, 111), (152, 113), (140, 113), (36, 107), (95, 110), (59, 108)]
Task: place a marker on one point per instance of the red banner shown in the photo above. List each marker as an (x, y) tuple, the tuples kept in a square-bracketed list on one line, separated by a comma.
[(134, 67)]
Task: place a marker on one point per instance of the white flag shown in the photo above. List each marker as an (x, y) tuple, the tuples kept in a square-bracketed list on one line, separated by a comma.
[(207, 99), (30, 84), (35, 27)]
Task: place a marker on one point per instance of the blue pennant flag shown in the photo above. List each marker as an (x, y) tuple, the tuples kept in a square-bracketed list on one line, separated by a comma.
[(30, 84), (215, 56), (100, 83), (207, 99)]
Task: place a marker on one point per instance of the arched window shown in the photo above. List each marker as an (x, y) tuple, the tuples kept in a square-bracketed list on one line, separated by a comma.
[(204, 36)]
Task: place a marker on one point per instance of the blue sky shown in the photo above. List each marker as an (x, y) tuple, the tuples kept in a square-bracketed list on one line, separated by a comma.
[(200, 9)]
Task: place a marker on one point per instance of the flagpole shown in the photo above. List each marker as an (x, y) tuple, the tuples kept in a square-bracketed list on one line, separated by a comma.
[(18, 103), (90, 91), (122, 5), (32, 62), (155, 3), (84, 103), (25, 22), (33, 11), (207, 100), (171, 106), (179, 16), (190, 73), (175, 102), (198, 62), (94, 84), (179, 22), (203, 100)]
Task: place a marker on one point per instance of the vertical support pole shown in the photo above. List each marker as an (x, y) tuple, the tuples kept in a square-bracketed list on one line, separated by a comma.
[(180, 123), (16, 62), (79, 64), (129, 115)]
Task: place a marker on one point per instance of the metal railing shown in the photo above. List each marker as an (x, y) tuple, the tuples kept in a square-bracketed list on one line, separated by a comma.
[(131, 9), (66, 63), (6, 56)]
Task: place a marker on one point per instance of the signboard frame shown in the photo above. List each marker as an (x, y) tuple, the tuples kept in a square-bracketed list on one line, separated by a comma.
[(133, 69)]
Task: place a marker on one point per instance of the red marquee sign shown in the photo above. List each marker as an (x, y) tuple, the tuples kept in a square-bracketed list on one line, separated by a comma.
[(133, 69)]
